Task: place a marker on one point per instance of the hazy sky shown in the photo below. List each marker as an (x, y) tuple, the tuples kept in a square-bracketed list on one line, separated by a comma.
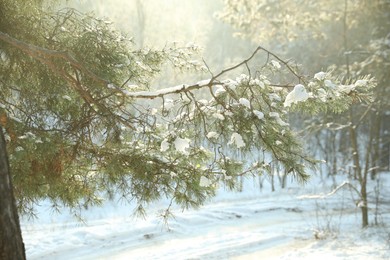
[(165, 20), (168, 21)]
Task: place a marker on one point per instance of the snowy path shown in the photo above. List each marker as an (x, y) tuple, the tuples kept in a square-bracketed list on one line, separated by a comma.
[(220, 234), (224, 229), (239, 226)]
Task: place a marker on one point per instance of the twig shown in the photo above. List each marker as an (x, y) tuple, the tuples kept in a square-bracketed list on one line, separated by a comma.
[(323, 196)]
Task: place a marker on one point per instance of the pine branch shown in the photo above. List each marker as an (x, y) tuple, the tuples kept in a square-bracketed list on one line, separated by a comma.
[(44, 55), (40, 52)]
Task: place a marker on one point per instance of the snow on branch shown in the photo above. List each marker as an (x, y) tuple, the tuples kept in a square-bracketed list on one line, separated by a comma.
[(171, 90), (324, 196), (204, 83)]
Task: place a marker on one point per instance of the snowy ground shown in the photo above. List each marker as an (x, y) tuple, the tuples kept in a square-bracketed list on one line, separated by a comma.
[(253, 224)]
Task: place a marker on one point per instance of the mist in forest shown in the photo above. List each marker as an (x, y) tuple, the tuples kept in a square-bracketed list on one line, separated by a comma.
[(156, 24)]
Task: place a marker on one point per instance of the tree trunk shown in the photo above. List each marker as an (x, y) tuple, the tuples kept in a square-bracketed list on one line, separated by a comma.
[(364, 207), (362, 177), (11, 242), (141, 22)]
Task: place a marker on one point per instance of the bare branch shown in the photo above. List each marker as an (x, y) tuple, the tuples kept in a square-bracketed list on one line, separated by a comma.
[(323, 196)]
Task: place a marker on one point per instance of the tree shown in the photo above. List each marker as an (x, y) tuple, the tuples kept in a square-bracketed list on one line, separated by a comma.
[(352, 40), (81, 119), (11, 242)]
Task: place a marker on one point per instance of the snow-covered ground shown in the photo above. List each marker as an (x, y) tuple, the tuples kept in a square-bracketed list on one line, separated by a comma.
[(289, 223)]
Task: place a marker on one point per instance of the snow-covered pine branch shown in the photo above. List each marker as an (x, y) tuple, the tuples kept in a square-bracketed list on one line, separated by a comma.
[(198, 138), (249, 114)]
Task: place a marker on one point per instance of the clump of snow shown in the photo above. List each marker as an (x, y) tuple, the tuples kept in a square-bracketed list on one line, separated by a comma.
[(7, 138), (212, 135), (259, 114), (242, 78), (361, 204), (19, 149), (255, 82), (231, 84), (67, 97), (245, 102), (236, 139), (219, 116), (153, 111), (182, 144), (219, 90), (274, 96), (320, 75), (164, 145), (298, 94), (261, 84), (346, 88), (361, 83), (276, 116), (328, 83), (322, 94), (275, 64), (111, 86)]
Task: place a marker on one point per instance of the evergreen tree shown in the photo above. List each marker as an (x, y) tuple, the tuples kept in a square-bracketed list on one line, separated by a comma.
[(81, 120)]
